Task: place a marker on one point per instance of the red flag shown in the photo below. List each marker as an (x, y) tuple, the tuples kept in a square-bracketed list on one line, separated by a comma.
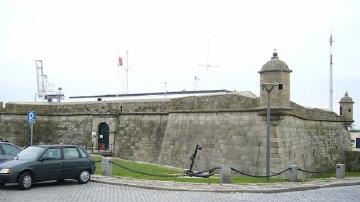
[(120, 61)]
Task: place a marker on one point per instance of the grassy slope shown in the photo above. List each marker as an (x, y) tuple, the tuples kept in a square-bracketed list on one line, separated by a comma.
[(163, 170)]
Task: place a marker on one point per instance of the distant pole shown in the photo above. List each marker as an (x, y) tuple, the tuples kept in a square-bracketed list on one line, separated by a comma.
[(195, 82), (331, 91), (127, 72)]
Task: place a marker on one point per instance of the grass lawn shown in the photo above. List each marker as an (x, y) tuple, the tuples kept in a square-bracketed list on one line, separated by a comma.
[(97, 164)]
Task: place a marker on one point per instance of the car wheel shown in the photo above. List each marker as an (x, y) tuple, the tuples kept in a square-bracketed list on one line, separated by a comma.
[(84, 177), (2, 184), (25, 181)]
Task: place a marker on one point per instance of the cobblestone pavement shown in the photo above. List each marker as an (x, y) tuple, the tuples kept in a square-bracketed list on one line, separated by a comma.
[(92, 191)]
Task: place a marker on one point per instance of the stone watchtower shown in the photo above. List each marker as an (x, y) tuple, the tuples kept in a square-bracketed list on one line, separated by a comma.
[(275, 71), (346, 109)]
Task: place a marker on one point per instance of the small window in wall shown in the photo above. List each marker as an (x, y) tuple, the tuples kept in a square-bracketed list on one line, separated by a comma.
[(349, 110), (281, 86), (340, 111), (357, 142)]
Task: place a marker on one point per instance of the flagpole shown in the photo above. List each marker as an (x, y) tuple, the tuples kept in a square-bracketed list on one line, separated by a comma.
[(120, 63), (119, 81), (127, 71)]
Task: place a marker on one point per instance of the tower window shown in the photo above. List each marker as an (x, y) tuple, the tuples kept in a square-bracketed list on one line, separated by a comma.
[(340, 111), (349, 110), (281, 86)]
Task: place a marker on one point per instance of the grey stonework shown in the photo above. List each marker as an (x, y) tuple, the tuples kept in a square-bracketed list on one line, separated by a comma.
[(227, 137), (139, 137)]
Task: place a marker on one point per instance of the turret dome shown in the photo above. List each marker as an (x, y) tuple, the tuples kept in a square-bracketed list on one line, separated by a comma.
[(274, 65), (346, 99)]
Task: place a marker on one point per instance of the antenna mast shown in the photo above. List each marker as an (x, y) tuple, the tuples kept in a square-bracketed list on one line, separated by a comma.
[(207, 65), (331, 91)]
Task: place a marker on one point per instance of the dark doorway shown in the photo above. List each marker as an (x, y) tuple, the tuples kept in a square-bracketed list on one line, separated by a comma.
[(103, 137)]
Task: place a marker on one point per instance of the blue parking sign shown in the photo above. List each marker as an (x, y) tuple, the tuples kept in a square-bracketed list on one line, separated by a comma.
[(31, 117)]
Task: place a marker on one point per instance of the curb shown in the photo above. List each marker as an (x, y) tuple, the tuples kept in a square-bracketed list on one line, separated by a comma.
[(239, 190)]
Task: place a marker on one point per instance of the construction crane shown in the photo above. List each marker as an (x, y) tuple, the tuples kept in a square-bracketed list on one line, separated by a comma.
[(44, 91)]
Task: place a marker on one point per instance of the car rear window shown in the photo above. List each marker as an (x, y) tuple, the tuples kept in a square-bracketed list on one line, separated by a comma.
[(70, 153), (83, 154)]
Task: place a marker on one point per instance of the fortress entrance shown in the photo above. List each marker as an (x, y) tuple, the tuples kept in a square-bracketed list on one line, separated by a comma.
[(103, 137)]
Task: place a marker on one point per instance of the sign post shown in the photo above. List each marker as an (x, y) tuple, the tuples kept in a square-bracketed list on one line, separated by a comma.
[(31, 118)]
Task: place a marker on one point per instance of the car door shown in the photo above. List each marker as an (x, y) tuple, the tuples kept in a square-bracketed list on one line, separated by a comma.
[(72, 162), (50, 165)]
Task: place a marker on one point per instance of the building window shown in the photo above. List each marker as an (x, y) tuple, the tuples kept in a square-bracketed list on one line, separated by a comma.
[(349, 110), (357, 142), (340, 111), (281, 86)]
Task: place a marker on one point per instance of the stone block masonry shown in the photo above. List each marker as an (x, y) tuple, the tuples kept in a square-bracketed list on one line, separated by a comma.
[(139, 137)]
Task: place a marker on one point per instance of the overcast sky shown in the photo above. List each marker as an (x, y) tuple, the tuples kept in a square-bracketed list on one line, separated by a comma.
[(80, 42)]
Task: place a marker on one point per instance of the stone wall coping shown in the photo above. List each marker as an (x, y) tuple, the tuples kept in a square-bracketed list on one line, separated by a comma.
[(91, 114), (166, 106)]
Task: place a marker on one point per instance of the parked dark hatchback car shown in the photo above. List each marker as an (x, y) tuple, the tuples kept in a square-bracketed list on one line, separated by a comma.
[(47, 162), (8, 151)]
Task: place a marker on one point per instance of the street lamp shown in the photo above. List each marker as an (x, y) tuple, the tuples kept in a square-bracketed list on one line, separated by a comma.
[(268, 87)]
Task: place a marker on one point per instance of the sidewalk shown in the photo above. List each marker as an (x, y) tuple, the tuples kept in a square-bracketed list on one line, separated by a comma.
[(250, 188)]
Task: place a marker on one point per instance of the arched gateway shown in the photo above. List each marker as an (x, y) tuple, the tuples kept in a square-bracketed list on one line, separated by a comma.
[(103, 137)]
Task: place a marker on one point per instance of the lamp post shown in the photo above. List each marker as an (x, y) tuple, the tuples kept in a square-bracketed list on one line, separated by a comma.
[(268, 87)]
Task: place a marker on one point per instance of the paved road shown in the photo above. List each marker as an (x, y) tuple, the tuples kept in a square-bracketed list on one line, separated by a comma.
[(71, 191)]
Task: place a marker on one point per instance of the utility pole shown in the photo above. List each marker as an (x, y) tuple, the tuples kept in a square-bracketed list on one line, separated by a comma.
[(331, 91)]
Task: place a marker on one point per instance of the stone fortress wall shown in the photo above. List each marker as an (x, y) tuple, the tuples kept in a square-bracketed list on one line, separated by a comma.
[(136, 128), (230, 129)]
